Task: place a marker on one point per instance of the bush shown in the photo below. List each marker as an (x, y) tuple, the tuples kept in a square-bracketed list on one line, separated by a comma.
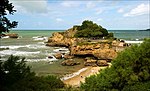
[(130, 70), (89, 29), (16, 76)]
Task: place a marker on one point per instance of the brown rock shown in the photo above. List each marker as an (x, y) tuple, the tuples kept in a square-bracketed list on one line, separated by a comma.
[(58, 56), (102, 63), (67, 56), (12, 35), (90, 62), (69, 62)]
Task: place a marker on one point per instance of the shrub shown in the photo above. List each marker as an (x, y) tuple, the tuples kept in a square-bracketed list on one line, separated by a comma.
[(89, 29), (129, 71)]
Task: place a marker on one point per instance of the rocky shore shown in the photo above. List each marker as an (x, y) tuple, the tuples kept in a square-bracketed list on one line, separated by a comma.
[(99, 51)]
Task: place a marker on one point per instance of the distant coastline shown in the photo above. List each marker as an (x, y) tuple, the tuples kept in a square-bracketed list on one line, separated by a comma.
[(145, 30)]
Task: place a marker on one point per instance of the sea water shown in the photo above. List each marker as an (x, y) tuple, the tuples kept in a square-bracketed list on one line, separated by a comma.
[(31, 43)]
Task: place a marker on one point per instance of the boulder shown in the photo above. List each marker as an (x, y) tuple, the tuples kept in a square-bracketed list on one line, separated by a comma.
[(69, 62), (67, 56), (50, 57), (58, 55), (90, 62), (102, 63), (12, 35)]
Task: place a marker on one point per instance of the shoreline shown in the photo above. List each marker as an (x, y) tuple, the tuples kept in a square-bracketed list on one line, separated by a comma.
[(80, 77)]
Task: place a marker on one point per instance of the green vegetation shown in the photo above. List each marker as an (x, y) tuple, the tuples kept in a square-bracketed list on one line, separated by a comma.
[(16, 76), (89, 29), (130, 71), (5, 24)]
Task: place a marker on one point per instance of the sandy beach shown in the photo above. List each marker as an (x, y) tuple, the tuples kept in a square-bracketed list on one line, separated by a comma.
[(75, 80)]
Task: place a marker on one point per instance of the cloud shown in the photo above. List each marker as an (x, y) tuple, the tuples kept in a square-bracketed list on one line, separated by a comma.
[(139, 10), (70, 3), (120, 10), (33, 6), (59, 19)]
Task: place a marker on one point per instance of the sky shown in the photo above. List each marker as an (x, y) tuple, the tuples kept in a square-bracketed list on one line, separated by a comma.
[(63, 14)]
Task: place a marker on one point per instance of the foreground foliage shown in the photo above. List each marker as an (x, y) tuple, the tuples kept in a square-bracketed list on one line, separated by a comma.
[(6, 8), (130, 71), (16, 76)]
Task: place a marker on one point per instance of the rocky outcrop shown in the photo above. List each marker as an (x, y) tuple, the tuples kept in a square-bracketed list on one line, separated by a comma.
[(69, 62), (67, 56), (98, 50), (102, 63), (62, 38), (10, 35), (58, 56), (90, 62)]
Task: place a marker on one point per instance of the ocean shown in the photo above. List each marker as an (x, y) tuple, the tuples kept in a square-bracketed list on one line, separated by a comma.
[(31, 43)]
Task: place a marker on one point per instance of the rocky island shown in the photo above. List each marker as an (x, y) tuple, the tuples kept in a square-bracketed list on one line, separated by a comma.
[(89, 41)]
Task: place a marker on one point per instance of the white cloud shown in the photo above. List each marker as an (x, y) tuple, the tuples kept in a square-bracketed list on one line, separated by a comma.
[(33, 6), (59, 19), (139, 10), (120, 10), (70, 3)]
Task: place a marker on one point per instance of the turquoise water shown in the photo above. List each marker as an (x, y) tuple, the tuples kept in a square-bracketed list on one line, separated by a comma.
[(131, 34), (31, 44)]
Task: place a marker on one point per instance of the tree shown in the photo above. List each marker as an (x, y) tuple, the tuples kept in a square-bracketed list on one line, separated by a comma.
[(5, 23), (16, 76), (89, 29), (130, 71)]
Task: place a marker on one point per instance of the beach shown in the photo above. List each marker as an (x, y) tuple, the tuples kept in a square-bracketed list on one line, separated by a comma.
[(77, 79)]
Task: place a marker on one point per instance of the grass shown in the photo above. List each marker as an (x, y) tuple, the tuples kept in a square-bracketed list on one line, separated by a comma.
[(43, 68)]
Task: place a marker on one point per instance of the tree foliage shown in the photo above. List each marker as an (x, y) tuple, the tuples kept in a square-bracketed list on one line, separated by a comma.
[(130, 71), (5, 23), (89, 29), (16, 76)]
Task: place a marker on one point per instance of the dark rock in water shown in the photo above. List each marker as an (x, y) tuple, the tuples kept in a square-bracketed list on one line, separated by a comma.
[(50, 57), (58, 56), (69, 62), (102, 63), (67, 56), (4, 49)]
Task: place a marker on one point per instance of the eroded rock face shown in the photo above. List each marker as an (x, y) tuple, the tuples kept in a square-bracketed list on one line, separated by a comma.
[(62, 38), (69, 62), (101, 51)]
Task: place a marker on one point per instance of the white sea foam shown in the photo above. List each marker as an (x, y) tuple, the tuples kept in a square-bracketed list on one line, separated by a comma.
[(40, 38), (12, 47), (61, 50), (35, 46), (5, 37), (131, 42), (17, 53), (73, 74)]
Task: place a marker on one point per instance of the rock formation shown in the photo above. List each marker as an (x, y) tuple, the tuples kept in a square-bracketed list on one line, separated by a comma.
[(101, 49), (69, 62)]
